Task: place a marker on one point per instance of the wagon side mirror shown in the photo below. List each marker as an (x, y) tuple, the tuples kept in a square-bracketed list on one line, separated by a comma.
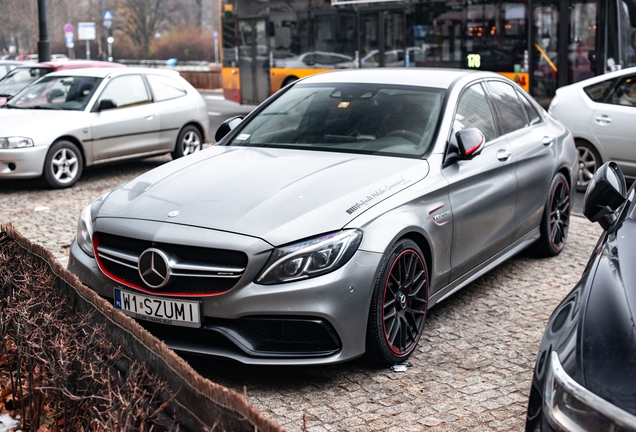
[(467, 144), (605, 194), (226, 127)]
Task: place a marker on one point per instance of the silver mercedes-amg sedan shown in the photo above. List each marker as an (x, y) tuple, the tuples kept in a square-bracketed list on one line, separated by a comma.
[(326, 223)]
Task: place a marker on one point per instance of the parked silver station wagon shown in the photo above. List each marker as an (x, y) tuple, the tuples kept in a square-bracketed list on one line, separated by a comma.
[(326, 224), (75, 118)]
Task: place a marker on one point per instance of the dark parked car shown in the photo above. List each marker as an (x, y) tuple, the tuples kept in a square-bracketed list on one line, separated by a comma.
[(326, 224), (585, 374)]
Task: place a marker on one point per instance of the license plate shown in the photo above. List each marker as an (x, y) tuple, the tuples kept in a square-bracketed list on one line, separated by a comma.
[(157, 309)]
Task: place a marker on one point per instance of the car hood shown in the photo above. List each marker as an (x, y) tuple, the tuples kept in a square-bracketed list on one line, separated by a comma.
[(608, 334), (278, 195), (20, 122)]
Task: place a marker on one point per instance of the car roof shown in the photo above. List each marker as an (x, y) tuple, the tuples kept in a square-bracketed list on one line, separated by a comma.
[(104, 72), (600, 78), (425, 77), (12, 62), (73, 64)]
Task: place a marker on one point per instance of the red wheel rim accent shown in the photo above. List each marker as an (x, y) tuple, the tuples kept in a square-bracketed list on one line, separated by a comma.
[(404, 303)]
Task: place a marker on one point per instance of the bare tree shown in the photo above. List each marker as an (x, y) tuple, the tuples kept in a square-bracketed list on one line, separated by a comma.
[(142, 19)]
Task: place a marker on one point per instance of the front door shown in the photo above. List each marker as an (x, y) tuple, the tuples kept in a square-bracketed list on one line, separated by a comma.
[(131, 127), (382, 39), (254, 60)]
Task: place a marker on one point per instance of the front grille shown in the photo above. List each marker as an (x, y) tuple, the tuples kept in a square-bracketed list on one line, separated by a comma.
[(196, 270)]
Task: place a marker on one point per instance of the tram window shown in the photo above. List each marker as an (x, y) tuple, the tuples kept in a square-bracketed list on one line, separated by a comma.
[(511, 113), (533, 115), (473, 111), (598, 92)]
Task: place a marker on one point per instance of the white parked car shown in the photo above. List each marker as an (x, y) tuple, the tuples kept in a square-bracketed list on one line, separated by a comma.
[(600, 112), (71, 119)]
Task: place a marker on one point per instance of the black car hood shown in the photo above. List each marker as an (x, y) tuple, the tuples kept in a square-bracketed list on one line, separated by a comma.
[(607, 349)]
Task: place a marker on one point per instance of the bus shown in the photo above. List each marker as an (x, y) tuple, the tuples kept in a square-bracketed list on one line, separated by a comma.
[(540, 44)]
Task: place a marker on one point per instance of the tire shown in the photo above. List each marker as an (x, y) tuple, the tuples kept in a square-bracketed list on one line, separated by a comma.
[(63, 165), (288, 80), (589, 162), (555, 221), (399, 305), (189, 141)]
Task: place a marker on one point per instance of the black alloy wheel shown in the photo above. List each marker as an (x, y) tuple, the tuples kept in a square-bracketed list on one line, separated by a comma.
[(556, 219), (560, 214), (399, 305)]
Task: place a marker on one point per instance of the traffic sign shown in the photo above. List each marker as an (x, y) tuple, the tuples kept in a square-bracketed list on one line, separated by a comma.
[(70, 42), (68, 28), (86, 31), (108, 15)]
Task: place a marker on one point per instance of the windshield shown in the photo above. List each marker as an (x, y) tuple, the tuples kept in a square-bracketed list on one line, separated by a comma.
[(356, 118), (19, 78), (57, 93)]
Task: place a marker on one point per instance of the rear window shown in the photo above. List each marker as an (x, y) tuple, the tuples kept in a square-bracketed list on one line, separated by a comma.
[(599, 91), (165, 88)]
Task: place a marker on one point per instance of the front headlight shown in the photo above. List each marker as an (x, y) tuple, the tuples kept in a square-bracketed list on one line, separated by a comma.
[(310, 258), (15, 142), (85, 224), (570, 406)]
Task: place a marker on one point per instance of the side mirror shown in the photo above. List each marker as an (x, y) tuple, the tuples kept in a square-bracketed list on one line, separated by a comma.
[(467, 144), (226, 127), (605, 194), (106, 104), (470, 142)]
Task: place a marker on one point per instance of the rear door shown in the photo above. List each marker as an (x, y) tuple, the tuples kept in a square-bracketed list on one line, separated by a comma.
[(613, 125), (131, 127), (482, 190), (532, 143)]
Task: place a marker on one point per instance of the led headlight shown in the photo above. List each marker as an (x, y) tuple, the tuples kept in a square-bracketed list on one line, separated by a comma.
[(570, 406), (85, 224), (310, 258), (15, 142)]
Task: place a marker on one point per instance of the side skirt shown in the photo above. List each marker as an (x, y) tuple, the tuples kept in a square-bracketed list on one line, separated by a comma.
[(485, 267)]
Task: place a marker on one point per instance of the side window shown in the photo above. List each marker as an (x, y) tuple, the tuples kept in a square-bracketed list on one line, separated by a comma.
[(165, 88), (511, 113), (473, 111), (533, 115), (625, 93), (126, 91), (598, 92)]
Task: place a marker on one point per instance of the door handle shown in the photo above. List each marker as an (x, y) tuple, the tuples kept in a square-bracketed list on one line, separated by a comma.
[(603, 119), (503, 155), (150, 116), (547, 140)]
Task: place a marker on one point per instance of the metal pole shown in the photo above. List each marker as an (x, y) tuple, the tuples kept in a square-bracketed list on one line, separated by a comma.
[(88, 50), (44, 47)]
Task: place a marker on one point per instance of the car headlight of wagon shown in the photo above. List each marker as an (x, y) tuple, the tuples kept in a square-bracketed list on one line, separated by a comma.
[(310, 258), (85, 225), (570, 406), (15, 142)]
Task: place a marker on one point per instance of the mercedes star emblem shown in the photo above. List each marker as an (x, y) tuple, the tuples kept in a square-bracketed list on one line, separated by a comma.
[(153, 268)]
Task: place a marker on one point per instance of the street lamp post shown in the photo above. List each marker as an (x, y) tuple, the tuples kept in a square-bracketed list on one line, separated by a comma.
[(110, 41), (44, 47)]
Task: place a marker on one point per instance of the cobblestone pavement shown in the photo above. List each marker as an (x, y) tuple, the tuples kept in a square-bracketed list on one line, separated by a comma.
[(472, 369)]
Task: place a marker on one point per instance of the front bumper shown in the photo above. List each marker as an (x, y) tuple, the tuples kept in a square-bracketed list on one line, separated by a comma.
[(315, 321), (23, 162)]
